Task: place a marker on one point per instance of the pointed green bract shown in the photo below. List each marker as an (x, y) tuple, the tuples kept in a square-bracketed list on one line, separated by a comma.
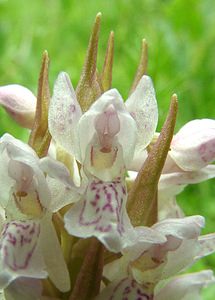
[(108, 64), (142, 67), (89, 88), (40, 137), (142, 198), (87, 284)]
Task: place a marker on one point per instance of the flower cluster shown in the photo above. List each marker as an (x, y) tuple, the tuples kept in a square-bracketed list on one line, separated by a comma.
[(88, 207)]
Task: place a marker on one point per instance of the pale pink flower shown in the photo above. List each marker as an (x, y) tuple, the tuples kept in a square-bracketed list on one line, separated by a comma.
[(103, 140)]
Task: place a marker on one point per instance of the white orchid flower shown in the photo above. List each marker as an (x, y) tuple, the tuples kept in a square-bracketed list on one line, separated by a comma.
[(181, 287), (188, 162), (144, 265), (29, 244), (103, 140)]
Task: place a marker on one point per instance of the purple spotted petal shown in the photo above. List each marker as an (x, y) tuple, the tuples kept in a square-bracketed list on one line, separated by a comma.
[(19, 252), (101, 213), (125, 289), (142, 105), (64, 114)]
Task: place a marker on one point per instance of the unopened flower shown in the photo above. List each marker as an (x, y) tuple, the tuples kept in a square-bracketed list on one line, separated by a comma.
[(20, 103), (193, 147)]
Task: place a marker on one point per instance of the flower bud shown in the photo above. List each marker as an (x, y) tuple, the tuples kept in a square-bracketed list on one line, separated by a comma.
[(193, 147), (19, 102)]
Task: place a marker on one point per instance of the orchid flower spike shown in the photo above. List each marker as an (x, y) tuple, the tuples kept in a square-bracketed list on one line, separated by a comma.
[(28, 242), (99, 141)]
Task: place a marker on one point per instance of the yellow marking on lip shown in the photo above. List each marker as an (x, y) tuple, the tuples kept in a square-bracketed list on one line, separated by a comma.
[(103, 160), (28, 204)]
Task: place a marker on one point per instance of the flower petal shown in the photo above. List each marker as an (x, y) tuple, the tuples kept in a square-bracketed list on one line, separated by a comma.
[(101, 213), (64, 114), (16, 148), (126, 288), (193, 146), (168, 207), (127, 124), (171, 184), (20, 103), (142, 105), (177, 179), (143, 239), (61, 194), (207, 245), (182, 228), (57, 170), (24, 289), (53, 257), (159, 261), (20, 252), (5, 180), (18, 151), (139, 158), (186, 287)]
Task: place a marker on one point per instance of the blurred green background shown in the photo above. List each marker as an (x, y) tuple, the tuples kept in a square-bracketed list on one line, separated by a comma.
[(181, 38)]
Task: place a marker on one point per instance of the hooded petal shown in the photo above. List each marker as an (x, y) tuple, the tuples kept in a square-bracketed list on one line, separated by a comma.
[(20, 252), (101, 213), (127, 124), (186, 287), (53, 257), (20, 103), (64, 114), (127, 288), (142, 105), (193, 147)]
